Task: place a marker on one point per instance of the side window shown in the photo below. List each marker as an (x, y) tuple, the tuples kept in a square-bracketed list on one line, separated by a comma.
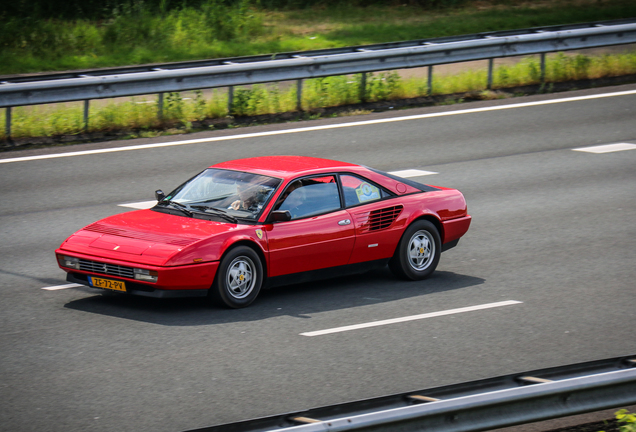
[(310, 197), (358, 190)]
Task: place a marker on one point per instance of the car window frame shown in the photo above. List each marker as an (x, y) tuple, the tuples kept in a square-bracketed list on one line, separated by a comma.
[(390, 195), (211, 216), (343, 204), (278, 201)]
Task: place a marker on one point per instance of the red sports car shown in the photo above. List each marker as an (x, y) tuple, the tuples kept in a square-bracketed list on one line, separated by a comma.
[(244, 224)]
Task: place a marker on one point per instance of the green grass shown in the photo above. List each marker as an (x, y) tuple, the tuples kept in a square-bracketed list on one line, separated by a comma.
[(153, 32), (133, 36), (139, 115), (139, 34)]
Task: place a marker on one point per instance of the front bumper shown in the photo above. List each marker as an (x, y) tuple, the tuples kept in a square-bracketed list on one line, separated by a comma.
[(178, 281), (140, 289)]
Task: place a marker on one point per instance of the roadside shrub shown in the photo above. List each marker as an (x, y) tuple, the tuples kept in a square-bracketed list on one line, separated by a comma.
[(331, 91), (173, 107), (384, 86), (626, 421)]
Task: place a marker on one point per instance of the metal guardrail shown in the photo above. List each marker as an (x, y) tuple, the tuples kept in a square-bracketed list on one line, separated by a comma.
[(322, 63), (303, 67), (475, 406), (310, 53)]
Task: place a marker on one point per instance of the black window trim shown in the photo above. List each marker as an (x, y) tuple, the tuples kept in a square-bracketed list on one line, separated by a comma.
[(343, 205), (338, 185), (213, 217), (390, 194)]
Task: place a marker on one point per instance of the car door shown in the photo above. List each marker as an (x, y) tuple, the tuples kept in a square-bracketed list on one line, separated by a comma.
[(375, 218), (320, 234)]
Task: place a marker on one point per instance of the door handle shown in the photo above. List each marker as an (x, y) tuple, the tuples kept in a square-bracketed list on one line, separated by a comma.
[(344, 222)]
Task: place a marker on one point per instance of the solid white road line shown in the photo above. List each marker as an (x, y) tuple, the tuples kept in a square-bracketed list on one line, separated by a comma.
[(324, 127), (607, 148), (410, 318), (60, 287)]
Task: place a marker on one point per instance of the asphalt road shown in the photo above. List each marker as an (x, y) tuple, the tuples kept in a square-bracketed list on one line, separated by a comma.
[(553, 228)]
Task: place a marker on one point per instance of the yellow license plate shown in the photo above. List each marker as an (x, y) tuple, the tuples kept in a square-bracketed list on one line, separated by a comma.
[(107, 284)]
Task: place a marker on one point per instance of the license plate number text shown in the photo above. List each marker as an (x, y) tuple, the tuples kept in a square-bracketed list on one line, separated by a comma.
[(107, 284)]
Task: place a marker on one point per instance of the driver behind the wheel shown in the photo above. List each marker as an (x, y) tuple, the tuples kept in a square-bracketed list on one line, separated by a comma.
[(250, 197), (294, 200)]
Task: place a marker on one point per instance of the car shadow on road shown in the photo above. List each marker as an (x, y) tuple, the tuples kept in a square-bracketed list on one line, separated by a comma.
[(298, 301)]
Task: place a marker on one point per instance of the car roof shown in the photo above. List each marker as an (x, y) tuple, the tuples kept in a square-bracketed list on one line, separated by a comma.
[(284, 166)]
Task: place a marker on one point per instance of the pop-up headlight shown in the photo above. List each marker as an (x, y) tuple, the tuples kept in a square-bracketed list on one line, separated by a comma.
[(146, 275)]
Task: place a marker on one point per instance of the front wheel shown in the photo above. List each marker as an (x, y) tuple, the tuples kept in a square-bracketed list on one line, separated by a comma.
[(418, 252), (239, 278)]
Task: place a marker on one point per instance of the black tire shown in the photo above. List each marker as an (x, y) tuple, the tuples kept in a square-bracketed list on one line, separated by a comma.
[(238, 279), (418, 252)]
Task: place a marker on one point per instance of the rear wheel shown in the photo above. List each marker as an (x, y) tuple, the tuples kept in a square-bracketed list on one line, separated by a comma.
[(239, 278), (418, 252)]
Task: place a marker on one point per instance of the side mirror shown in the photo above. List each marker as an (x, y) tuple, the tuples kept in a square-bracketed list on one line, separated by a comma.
[(159, 195), (280, 216)]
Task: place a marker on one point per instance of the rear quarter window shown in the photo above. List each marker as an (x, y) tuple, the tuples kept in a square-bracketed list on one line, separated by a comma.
[(358, 190)]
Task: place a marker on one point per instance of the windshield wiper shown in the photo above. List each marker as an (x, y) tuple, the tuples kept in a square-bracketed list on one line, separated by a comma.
[(178, 206), (204, 207), (216, 211)]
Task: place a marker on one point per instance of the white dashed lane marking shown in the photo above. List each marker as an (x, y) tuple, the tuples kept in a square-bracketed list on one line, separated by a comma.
[(61, 287), (139, 205), (607, 148), (412, 173), (410, 318)]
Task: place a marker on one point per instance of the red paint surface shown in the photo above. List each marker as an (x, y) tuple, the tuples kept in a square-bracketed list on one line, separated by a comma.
[(185, 251)]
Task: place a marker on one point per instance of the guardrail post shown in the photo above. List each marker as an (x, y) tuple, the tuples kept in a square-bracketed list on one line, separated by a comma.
[(491, 62), (299, 95), (160, 107), (56, 89), (230, 99), (7, 125), (363, 87), (542, 67), (86, 107)]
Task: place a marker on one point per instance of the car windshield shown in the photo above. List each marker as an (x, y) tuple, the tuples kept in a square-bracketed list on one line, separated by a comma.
[(235, 193)]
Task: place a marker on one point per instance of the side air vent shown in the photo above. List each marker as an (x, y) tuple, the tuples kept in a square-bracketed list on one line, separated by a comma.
[(139, 235), (378, 219)]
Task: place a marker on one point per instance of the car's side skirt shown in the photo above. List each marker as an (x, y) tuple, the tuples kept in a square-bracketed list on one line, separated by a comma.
[(327, 273)]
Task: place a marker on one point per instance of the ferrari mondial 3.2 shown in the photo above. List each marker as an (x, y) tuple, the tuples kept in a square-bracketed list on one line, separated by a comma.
[(244, 224)]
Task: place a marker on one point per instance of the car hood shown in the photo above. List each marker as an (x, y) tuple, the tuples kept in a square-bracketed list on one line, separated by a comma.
[(143, 236)]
